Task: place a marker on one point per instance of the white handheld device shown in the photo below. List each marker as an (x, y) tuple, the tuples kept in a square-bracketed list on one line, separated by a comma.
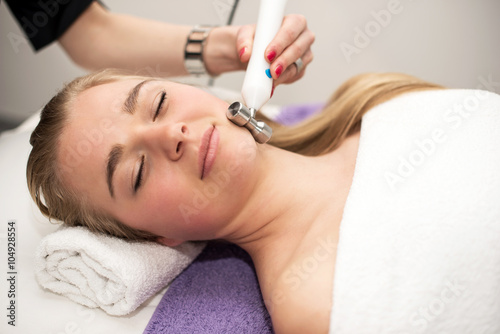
[(258, 83)]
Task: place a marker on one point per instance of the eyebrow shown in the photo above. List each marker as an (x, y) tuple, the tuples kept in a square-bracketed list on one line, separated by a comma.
[(114, 157), (116, 153), (130, 103)]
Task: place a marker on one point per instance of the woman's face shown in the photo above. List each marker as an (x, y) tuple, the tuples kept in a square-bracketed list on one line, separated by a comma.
[(158, 156)]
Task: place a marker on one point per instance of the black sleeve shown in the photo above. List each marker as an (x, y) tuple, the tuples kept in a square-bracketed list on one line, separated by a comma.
[(44, 21)]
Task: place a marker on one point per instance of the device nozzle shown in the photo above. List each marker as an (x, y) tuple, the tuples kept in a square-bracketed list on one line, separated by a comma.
[(243, 116)]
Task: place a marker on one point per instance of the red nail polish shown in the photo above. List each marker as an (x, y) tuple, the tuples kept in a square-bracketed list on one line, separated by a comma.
[(272, 92), (271, 55), (278, 70), (242, 51)]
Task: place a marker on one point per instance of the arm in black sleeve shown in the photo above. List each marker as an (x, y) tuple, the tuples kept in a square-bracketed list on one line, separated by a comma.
[(44, 21)]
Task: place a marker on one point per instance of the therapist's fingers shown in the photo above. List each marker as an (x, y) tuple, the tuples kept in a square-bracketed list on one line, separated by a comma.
[(292, 73), (293, 41), (244, 42)]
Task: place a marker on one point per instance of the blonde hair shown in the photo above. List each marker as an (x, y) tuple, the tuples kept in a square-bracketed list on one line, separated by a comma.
[(342, 114), (318, 135)]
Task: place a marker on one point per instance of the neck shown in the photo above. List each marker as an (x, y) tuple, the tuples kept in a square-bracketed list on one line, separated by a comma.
[(290, 192)]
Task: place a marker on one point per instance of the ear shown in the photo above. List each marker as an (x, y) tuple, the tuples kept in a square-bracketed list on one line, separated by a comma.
[(169, 242)]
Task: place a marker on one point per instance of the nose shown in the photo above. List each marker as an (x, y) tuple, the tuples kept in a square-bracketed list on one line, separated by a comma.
[(167, 139)]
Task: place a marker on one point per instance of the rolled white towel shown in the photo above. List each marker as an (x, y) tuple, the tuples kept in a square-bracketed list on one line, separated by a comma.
[(106, 272)]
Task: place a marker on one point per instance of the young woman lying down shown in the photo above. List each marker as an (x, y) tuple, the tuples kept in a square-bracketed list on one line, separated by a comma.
[(149, 159)]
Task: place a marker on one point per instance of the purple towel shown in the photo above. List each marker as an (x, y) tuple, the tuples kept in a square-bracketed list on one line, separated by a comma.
[(217, 293), (292, 114)]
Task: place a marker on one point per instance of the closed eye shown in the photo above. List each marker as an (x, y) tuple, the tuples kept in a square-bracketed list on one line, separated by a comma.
[(160, 104), (138, 179)]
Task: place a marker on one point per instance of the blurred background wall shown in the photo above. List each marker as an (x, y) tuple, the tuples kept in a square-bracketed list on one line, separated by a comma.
[(455, 43)]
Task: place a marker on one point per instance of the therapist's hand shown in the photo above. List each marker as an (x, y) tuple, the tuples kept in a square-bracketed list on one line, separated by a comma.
[(229, 48)]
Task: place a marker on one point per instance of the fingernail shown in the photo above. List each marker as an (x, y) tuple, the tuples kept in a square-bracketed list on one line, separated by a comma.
[(278, 70), (242, 51), (271, 55), (268, 73), (272, 92)]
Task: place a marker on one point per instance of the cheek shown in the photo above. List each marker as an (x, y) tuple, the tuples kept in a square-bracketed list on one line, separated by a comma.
[(239, 156), (157, 208), (166, 197), (204, 105), (188, 211)]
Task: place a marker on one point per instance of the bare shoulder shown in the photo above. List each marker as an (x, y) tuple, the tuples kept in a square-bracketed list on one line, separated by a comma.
[(301, 298)]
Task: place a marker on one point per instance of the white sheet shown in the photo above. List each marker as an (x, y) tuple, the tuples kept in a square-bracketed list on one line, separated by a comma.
[(419, 247)]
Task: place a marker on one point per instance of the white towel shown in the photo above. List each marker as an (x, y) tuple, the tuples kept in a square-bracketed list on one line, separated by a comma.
[(419, 247), (106, 272)]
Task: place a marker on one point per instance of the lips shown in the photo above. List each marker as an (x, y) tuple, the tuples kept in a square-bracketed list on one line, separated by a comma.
[(208, 151)]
